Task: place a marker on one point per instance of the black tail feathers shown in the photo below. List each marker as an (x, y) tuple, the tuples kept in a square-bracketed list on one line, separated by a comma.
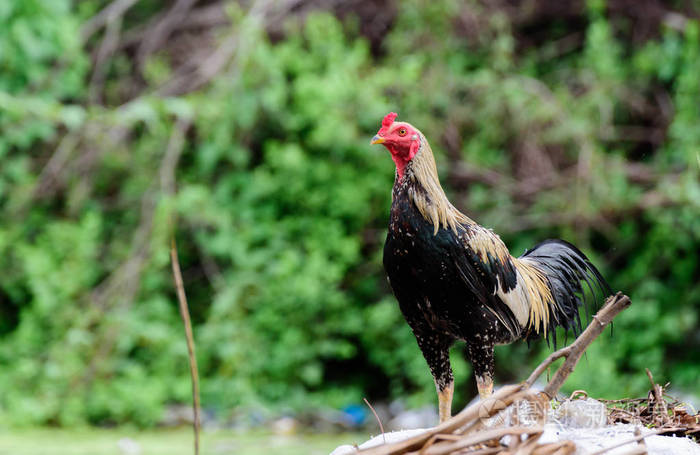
[(567, 268)]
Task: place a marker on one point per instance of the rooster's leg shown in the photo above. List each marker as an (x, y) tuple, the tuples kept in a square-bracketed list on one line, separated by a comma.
[(485, 386), (481, 356), (445, 400), (436, 350)]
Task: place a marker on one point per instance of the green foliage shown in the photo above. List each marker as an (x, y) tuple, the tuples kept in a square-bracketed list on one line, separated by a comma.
[(281, 208)]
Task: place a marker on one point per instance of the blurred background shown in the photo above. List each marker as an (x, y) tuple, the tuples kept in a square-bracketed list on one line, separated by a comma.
[(243, 126)]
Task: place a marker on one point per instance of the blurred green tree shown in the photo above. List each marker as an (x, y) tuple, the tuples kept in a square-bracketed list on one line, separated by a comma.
[(571, 127)]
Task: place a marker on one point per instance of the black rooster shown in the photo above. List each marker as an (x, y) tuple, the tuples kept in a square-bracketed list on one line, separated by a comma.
[(456, 280)]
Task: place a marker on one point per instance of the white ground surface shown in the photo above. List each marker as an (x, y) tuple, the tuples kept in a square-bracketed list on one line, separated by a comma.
[(587, 440)]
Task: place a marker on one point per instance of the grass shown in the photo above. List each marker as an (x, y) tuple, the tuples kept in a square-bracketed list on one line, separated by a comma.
[(121, 441)]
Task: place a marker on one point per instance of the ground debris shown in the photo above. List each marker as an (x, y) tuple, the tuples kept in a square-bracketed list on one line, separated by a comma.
[(658, 411), (519, 420), (522, 421)]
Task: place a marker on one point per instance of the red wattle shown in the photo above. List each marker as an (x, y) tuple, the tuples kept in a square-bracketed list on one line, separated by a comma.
[(400, 164), (402, 159)]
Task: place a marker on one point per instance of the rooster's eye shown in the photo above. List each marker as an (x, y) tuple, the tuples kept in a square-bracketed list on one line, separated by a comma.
[(402, 132)]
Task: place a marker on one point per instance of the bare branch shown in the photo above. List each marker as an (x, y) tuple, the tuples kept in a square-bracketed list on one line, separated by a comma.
[(613, 306), (192, 76), (48, 178), (159, 33), (108, 46), (208, 16), (563, 352), (185, 314), (167, 183), (108, 14), (172, 156)]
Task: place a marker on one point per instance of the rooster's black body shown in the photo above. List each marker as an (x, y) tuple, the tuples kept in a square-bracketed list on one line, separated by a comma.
[(455, 280)]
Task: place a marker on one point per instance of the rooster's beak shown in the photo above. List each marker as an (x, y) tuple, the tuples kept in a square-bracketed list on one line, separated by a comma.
[(377, 140)]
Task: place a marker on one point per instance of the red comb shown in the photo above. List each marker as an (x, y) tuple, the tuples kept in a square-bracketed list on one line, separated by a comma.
[(386, 123), (389, 119)]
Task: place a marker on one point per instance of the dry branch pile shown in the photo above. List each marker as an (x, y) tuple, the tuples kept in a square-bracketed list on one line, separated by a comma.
[(472, 431), (491, 427), (658, 410)]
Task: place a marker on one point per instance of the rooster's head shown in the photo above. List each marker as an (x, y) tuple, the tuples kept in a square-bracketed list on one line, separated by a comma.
[(400, 138)]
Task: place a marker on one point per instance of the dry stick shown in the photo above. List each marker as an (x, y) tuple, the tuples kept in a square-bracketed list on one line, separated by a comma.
[(381, 427), (527, 446), (487, 451), (658, 395), (472, 420), (436, 438), (483, 436), (504, 395), (167, 183), (555, 448), (490, 407), (185, 313), (613, 306)]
